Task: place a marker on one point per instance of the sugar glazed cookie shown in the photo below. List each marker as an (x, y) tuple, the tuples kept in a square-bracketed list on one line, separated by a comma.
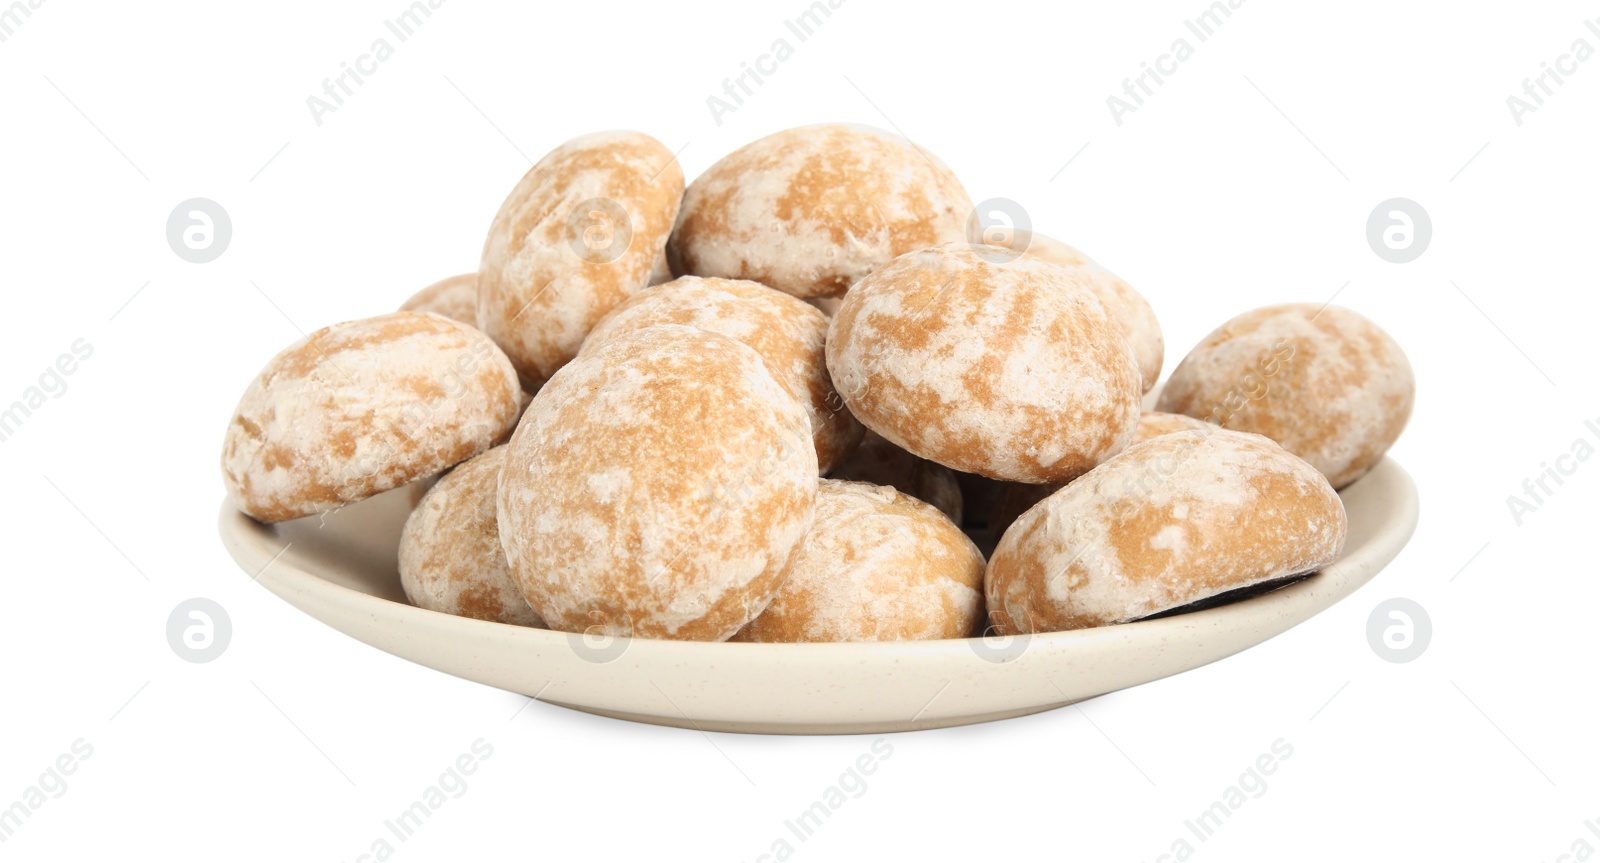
[(787, 333), (455, 297), (876, 566), (450, 555), (579, 234), (657, 487), (1126, 305), (879, 462), (811, 210), (1011, 369), (1326, 383), (363, 407), (1017, 498), (1190, 517)]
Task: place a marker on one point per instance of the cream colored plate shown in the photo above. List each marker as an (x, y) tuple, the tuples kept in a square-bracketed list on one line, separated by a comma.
[(341, 571)]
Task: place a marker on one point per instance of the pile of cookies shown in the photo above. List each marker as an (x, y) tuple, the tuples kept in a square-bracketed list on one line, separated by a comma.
[(813, 397)]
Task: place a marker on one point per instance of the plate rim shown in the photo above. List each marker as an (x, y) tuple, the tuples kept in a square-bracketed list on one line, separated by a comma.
[(251, 546)]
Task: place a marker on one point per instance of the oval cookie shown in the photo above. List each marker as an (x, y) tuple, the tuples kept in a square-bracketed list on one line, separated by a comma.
[(1186, 518), (1012, 369), (1327, 384), (363, 407), (657, 487), (811, 210), (580, 233)]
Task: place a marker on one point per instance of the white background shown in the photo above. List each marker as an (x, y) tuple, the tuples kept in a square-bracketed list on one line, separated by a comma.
[(1246, 179)]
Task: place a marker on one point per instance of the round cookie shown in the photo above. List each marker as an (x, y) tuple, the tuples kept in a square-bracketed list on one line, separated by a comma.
[(1012, 369), (1194, 517), (580, 233), (363, 407), (876, 566), (1125, 304), (657, 487), (787, 333), (455, 297), (809, 211), (1017, 498), (1327, 384), (450, 555), (879, 462)]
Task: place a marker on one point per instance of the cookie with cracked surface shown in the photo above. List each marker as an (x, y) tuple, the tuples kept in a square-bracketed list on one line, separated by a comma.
[(1009, 369), (450, 555), (879, 462), (811, 210), (1326, 383), (877, 565), (363, 407), (1186, 518), (1126, 305), (455, 297), (581, 232), (787, 333), (657, 487)]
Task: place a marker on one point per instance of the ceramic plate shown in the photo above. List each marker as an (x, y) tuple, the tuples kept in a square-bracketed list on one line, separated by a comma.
[(341, 570)]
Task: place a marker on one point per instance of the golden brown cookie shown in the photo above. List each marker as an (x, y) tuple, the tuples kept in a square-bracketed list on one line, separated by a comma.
[(363, 407), (1327, 384), (787, 333), (450, 555), (1185, 518), (579, 234), (811, 210), (876, 566), (657, 487), (1008, 369)]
